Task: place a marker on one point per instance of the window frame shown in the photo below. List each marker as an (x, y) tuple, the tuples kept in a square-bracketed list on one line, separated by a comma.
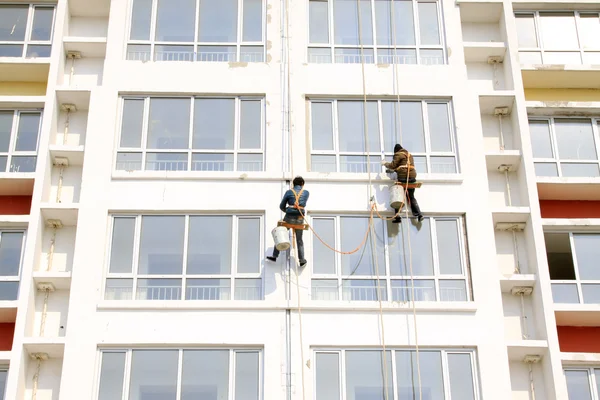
[(385, 275), (541, 49), (232, 276), (195, 44), (591, 377), (417, 47), (379, 155), (556, 160), (15, 278), (128, 366), (444, 352), (12, 152), (143, 149), (29, 28)]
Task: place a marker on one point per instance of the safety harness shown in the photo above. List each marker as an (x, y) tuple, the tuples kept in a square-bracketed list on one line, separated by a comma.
[(296, 205)]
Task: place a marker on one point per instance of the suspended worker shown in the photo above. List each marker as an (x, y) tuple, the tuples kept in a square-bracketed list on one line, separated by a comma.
[(293, 204), (404, 166)]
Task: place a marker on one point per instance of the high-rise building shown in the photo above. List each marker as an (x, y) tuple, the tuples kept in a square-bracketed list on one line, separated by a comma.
[(145, 146)]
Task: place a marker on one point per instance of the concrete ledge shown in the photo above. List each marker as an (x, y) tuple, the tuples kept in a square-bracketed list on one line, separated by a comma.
[(577, 314), (563, 108), (592, 359), (560, 76), (556, 188)]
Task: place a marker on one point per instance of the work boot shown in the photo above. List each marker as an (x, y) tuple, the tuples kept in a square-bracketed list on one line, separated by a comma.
[(420, 218), (302, 263), (271, 258), (396, 220)]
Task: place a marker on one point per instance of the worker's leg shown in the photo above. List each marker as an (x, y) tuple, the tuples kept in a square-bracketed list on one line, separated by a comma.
[(300, 244), (397, 218), (414, 206)]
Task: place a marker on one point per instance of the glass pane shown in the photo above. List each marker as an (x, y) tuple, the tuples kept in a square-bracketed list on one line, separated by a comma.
[(118, 289), (590, 293), (133, 120), (453, 290), (591, 57), (11, 246), (9, 290), (252, 21), (23, 164), (540, 139), (38, 51), (209, 245), (318, 22), (407, 375), (166, 162), (448, 245), (173, 53), (169, 122), (439, 127), (319, 55), (138, 52), (431, 57), (161, 245), (403, 24), (443, 165), (352, 232), (175, 20), (27, 132), (530, 57), (562, 57), (13, 22), (351, 125), (589, 30), (214, 124), (3, 378), (252, 54), (578, 385), (428, 23), (153, 374), (558, 253), (250, 162), (354, 56), (248, 247), (579, 170), (461, 376), (158, 289), (248, 289), (218, 21), (346, 22), (112, 375), (129, 161), (325, 289), (323, 163), (327, 375), (217, 53), (212, 162), (43, 18), (405, 128), (358, 164), (205, 374), (321, 125), (526, 30), (403, 56), (121, 250), (365, 375), (546, 169), (208, 289), (250, 124), (324, 258), (402, 290), (597, 374), (6, 123), (11, 50), (575, 139), (558, 30), (140, 20), (246, 375), (420, 242), (565, 293), (363, 290)]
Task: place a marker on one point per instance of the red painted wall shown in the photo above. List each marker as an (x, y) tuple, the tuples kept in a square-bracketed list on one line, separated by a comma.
[(7, 332), (15, 205), (570, 209), (579, 339)]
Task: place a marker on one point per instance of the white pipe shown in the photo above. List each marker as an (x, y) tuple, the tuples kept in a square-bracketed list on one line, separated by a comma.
[(72, 70), (516, 248), (60, 183), (36, 378), (51, 251), (531, 384), (44, 312), (524, 329), (67, 126), (501, 133)]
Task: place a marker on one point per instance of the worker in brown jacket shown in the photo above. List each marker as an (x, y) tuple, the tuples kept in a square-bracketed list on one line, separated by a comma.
[(404, 166)]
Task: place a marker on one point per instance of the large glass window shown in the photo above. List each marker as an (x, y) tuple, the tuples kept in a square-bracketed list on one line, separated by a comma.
[(548, 37), (583, 383), (339, 142), (26, 30), (565, 147), (197, 30), (191, 134), (185, 257), (392, 32), (11, 253), (19, 134), (186, 374), (368, 374), (439, 272)]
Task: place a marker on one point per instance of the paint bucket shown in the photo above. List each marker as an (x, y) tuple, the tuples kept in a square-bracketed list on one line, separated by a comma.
[(396, 197), (281, 238)]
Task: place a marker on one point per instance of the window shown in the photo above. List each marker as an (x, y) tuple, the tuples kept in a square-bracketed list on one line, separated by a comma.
[(197, 30), (339, 143), (438, 262), (191, 134), (11, 253), (572, 260), (559, 37), (566, 147), (583, 383), (445, 374), (26, 30), (185, 257), (19, 132), (186, 374), (393, 32)]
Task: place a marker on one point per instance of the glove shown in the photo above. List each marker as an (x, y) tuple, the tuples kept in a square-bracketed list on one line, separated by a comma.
[(383, 162)]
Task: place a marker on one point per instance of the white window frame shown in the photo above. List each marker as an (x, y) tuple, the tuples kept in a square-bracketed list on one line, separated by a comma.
[(595, 121), (13, 138), (128, 365), (541, 49), (195, 44), (377, 155), (237, 150), (29, 27), (232, 276), (375, 47), (591, 378), (385, 269), (393, 377), (15, 278)]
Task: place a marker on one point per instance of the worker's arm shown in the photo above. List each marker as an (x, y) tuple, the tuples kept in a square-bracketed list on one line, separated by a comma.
[(399, 159), (283, 204)]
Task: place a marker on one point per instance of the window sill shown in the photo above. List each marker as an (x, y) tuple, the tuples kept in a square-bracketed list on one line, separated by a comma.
[(561, 188), (379, 177), (198, 175), (569, 76), (577, 314)]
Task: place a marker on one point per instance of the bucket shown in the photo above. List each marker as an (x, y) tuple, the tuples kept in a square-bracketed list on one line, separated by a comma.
[(281, 238), (396, 196)]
